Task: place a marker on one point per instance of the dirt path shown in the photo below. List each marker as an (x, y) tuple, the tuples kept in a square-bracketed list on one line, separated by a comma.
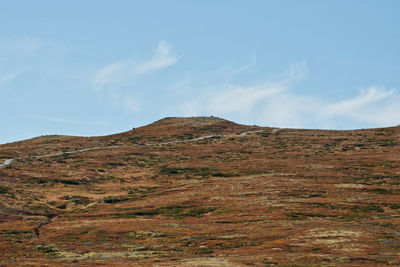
[(187, 140), (6, 162), (74, 151), (249, 132), (9, 161)]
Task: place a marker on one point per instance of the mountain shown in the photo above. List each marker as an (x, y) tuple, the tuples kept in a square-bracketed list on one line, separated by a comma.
[(202, 191)]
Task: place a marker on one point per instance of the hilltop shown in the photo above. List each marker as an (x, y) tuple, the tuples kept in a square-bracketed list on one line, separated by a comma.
[(202, 191)]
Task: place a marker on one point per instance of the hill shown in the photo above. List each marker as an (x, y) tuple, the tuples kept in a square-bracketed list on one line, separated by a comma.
[(202, 191)]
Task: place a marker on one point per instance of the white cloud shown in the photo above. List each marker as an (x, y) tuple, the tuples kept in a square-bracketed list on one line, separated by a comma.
[(288, 110), (210, 80), (231, 71), (9, 76), (110, 74), (125, 71), (21, 44), (271, 103), (296, 72), (13, 56), (163, 57), (278, 104), (243, 101), (124, 101), (235, 99), (366, 98), (374, 105)]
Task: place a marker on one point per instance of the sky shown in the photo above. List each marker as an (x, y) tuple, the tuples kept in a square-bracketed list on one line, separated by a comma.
[(98, 67)]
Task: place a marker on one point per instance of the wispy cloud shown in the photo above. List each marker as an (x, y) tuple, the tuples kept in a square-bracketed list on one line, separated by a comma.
[(273, 101), (63, 120), (163, 57), (126, 70), (365, 99), (230, 71), (9, 76), (235, 99), (373, 105), (13, 56), (21, 44), (124, 101), (296, 71), (238, 101), (277, 103)]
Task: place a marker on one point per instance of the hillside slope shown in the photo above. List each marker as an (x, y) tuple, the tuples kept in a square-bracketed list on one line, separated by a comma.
[(203, 191)]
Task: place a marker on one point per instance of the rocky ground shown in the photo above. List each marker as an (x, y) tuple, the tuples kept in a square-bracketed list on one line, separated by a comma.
[(202, 192)]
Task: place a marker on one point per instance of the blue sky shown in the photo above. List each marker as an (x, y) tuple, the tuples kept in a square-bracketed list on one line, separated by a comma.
[(101, 67)]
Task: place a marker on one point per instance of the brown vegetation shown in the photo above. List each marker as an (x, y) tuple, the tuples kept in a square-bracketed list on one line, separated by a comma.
[(159, 196)]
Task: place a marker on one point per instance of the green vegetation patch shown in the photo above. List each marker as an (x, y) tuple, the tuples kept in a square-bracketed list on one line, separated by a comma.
[(387, 143), (394, 206), (205, 251), (115, 164), (198, 171), (15, 236), (134, 139), (68, 182), (304, 215), (62, 206), (176, 212), (327, 205), (36, 180), (4, 190), (351, 217), (48, 250), (41, 180), (264, 134), (112, 200), (146, 234), (383, 191), (368, 208), (133, 194)]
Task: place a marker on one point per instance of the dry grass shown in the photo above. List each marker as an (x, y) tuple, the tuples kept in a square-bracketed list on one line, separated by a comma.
[(271, 197)]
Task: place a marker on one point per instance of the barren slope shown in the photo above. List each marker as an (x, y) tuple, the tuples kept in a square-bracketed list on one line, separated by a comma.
[(203, 192)]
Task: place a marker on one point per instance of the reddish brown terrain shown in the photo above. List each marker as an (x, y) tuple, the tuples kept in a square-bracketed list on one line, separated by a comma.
[(161, 195)]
